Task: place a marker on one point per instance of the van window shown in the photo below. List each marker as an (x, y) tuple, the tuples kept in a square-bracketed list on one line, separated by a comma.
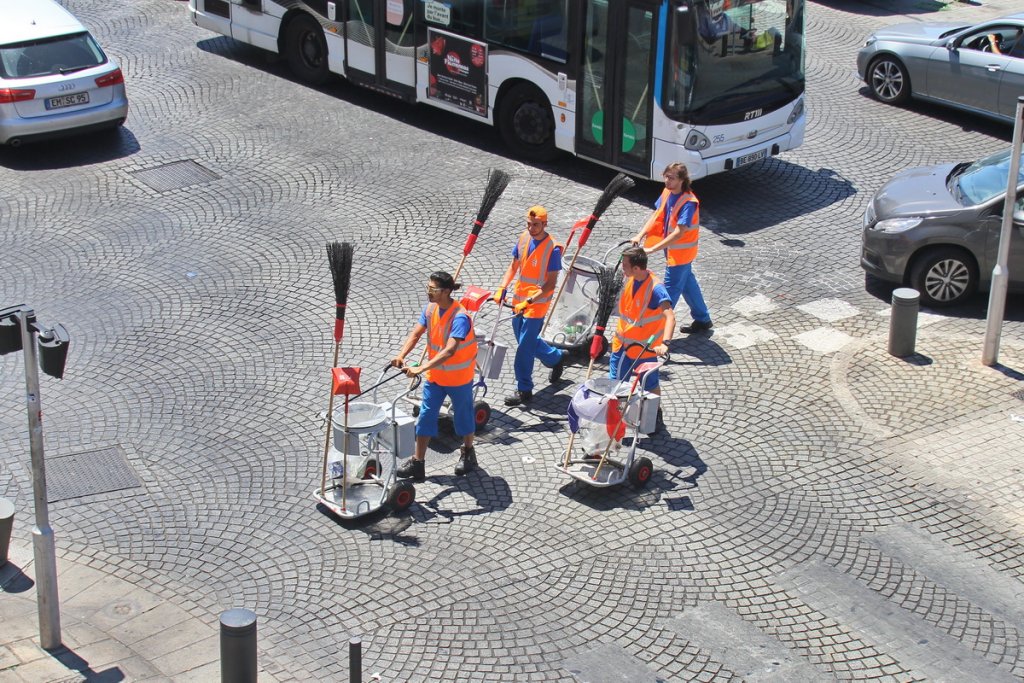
[(48, 56)]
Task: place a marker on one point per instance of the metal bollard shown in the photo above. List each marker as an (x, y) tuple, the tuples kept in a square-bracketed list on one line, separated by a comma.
[(903, 322), (238, 646), (355, 660), (6, 526)]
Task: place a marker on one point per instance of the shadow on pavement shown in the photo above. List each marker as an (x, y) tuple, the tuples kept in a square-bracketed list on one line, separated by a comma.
[(884, 8), (697, 349), (72, 661), (82, 150), (976, 307), (792, 190), (970, 123), (13, 580)]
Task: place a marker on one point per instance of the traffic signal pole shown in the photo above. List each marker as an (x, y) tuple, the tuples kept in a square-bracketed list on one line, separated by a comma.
[(42, 534)]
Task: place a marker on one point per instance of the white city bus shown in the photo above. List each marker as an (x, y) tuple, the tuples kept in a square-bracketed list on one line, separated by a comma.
[(631, 84)]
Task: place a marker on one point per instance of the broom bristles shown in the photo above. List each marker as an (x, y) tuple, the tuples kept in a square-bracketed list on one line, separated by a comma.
[(609, 282), (339, 257), (497, 181), (619, 184)]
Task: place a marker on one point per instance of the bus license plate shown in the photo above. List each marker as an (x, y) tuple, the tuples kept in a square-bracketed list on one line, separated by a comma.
[(751, 158), (67, 100)]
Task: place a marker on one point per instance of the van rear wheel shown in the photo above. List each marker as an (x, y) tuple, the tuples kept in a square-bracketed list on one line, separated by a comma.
[(306, 50)]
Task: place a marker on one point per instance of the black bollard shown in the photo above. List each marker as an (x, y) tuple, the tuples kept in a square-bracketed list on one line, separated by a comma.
[(903, 322), (6, 526), (355, 660), (238, 646)]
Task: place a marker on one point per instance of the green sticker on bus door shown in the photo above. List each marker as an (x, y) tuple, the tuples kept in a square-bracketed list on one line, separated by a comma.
[(628, 131)]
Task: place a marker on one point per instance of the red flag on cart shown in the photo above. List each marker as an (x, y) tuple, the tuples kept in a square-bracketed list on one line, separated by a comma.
[(345, 381)]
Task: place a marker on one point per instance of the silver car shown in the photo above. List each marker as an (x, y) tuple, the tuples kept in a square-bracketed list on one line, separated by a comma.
[(937, 229), (54, 78), (976, 68)]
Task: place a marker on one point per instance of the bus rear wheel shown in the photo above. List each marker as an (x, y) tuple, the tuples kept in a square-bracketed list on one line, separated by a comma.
[(526, 123), (306, 50)]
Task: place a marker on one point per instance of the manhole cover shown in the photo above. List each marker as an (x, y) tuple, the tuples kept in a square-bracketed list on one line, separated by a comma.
[(89, 473), (175, 175)]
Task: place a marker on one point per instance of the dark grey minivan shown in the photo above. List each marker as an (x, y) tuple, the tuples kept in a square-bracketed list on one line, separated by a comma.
[(937, 229)]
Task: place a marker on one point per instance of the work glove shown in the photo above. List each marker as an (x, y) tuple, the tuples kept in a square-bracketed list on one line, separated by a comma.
[(499, 295), (521, 307)]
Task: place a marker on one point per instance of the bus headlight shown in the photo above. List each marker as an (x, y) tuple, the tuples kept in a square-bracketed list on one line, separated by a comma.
[(697, 141), (798, 110)]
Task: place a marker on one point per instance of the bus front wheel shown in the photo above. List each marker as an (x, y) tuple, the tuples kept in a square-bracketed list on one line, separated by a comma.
[(526, 123), (306, 50)]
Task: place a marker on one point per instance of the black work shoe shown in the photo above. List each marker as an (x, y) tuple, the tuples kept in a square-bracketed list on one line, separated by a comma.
[(467, 461), (696, 326), (412, 469), (518, 398), (557, 368)]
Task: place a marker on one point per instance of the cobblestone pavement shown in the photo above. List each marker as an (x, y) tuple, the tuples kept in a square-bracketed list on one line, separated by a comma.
[(820, 510)]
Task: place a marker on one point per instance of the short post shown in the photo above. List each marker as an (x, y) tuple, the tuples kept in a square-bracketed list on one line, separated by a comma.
[(903, 322), (6, 526), (355, 660), (238, 646)]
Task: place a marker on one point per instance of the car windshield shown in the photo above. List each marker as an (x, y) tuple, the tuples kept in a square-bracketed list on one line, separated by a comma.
[(985, 179), (49, 56)]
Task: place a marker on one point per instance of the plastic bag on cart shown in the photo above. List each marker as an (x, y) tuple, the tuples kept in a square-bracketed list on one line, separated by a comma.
[(597, 416), (351, 467)]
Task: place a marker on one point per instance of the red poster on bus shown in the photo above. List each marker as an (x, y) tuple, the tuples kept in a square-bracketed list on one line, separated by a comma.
[(458, 72)]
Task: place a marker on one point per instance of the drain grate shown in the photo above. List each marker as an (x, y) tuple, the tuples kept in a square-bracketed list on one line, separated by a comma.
[(89, 473), (175, 176)]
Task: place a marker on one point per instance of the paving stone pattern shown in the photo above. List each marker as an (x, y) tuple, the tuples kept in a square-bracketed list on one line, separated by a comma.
[(186, 256)]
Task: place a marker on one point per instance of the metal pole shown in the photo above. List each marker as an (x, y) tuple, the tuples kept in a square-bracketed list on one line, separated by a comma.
[(42, 534), (355, 660), (238, 646), (1000, 274)]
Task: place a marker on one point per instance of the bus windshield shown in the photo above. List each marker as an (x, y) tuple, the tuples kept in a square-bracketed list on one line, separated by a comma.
[(726, 58)]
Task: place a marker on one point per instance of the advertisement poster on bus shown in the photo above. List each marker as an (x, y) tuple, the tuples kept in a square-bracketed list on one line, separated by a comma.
[(458, 72)]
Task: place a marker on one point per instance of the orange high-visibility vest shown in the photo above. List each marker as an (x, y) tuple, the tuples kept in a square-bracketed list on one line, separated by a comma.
[(459, 368), (637, 323), (533, 270), (684, 249)]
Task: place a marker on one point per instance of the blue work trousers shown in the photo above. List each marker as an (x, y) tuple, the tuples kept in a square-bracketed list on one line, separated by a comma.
[(430, 408), (531, 346), (681, 280)]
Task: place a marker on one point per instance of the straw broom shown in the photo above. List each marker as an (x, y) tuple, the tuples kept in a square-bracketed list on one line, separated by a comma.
[(609, 282), (497, 181), (619, 184), (339, 258)]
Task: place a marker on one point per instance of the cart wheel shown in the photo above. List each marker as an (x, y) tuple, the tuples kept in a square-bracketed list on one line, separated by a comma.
[(402, 495), (640, 472), (481, 414), (371, 470)]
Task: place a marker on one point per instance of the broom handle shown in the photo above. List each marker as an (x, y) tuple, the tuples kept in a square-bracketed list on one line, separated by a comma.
[(330, 423), (344, 461), (622, 416), (572, 436)]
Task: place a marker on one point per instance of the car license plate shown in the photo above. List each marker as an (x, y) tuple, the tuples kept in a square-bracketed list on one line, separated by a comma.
[(67, 100), (751, 158)]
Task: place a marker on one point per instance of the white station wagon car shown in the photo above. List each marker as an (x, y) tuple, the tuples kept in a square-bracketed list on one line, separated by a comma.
[(54, 78)]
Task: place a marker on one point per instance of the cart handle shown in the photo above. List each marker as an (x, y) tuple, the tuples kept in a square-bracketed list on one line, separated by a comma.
[(617, 247)]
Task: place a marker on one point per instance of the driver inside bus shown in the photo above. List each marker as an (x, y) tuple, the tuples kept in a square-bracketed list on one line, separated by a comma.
[(714, 24)]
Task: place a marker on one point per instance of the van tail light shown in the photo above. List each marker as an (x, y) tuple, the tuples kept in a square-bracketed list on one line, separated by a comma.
[(9, 95), (113, 78)]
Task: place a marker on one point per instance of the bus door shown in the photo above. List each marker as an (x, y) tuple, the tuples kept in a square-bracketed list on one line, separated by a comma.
[(380, 45), (617, 83)]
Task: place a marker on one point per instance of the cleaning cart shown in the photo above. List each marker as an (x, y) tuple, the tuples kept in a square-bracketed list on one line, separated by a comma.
[(369, 437), (603, 414)]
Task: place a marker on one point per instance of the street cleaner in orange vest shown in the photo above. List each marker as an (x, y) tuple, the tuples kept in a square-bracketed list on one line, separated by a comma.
[(645, 311), (538, 260), (674, 228), (451, 362)]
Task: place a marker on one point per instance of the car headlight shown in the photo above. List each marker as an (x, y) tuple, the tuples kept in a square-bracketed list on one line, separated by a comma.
[(894, 225), (869, 42)]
